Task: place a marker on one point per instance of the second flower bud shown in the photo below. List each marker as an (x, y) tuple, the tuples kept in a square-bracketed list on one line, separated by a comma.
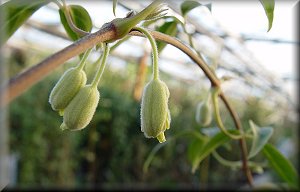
[(80, 111)]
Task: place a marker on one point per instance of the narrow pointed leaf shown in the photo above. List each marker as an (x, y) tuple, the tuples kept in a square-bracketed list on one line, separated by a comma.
[(269, 6), (15, 13), (208, 6), (260, 138), (194, 134), (216, 141), (194, 149), (80, 18), (115, 2), (282, 166), (168, 28), (152, 155), (187, 6)]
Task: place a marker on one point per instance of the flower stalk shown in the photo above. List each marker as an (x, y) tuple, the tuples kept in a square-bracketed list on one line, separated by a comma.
[(154, 51), (102, 66)]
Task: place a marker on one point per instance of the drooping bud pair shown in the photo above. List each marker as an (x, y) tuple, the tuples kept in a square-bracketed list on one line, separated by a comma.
[(81, 109), (68, 86), (204, 112), (155, 114), (75, 100)]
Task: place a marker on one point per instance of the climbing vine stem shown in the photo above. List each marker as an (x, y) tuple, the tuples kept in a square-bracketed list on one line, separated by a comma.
[(28, 78)]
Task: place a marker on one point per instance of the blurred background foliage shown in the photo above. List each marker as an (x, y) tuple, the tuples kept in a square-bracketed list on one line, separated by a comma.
[(111, 151)]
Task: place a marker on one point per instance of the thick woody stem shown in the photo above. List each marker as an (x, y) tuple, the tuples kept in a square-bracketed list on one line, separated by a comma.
[(25, 80)]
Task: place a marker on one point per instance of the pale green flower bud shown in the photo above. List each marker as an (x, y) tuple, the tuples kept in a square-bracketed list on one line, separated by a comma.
[(155, 115), (204, 113), (81, 109), (66, 88)]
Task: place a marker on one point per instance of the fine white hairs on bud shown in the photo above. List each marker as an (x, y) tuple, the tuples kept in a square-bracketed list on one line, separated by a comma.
[(155, 114), (80, 111), (66, 88), (204, 112)]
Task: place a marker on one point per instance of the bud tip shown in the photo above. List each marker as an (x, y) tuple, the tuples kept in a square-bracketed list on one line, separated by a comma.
[(63, 126), (161, 137), (61, 112)]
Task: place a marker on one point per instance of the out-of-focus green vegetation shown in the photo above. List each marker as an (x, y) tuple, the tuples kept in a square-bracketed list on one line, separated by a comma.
[(110, 152)]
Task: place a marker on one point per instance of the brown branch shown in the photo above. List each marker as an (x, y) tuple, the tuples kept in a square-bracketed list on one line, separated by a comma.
[(242, 142), (25, 80)]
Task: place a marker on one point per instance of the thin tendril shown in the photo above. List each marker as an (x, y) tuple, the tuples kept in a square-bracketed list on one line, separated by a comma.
[(215, 96)]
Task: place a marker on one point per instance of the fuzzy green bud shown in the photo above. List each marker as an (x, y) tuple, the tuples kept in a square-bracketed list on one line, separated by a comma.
[(81, 109), (204, 113), (66, 88), (155, 114)]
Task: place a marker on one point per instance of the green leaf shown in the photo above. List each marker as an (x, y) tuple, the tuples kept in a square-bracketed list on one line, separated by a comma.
[(115, 2), (208, 6), (194, 134), (80, 18), (187, 6), (269, 10), (194, 149), (216, 141), (168, 28), (282, 166), (260, 138), (15, 13), (152, 154)]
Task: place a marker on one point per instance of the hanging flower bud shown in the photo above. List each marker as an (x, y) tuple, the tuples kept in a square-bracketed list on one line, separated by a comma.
[(204, 112), (155, 115), (81, 109), (66, 88)]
